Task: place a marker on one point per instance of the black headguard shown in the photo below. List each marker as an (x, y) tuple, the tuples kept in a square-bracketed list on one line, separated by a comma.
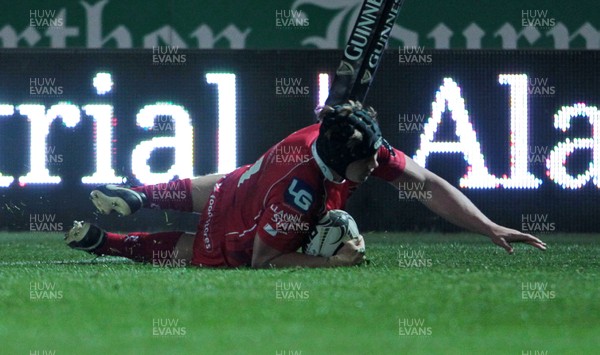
[(337, 127)]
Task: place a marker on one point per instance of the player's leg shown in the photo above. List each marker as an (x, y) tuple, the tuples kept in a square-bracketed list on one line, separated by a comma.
[(202, 187), (123, 201), (188, 195), (184, 250), (163, 248)]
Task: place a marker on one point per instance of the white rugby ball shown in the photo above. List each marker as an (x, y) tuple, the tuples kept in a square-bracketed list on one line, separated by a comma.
[(333, 229)]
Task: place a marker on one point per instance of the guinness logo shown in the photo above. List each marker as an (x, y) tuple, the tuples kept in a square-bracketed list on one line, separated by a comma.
[(345, 68), (366, 77)]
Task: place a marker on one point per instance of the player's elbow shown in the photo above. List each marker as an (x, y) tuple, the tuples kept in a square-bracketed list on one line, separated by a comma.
[(258, 264), (263, 255), (260, 261)]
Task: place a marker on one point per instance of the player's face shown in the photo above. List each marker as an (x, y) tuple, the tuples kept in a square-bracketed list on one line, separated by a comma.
[(359, 171)]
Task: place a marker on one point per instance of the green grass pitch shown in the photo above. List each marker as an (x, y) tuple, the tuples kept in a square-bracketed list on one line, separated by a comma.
[(420, 294)]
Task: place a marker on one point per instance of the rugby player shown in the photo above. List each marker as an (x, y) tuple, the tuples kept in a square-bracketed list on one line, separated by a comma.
[(313, 170)]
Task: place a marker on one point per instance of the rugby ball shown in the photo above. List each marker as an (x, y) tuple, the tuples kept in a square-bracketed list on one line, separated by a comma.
[(333, 229)]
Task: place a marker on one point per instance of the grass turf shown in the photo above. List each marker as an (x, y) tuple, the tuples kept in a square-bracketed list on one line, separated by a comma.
[(420, 293)]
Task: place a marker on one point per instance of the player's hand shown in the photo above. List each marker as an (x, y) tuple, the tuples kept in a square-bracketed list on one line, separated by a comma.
[(504, 237), (351, 253)]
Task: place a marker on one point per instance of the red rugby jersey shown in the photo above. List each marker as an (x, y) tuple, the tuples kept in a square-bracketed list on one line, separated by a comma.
[(283, 194)]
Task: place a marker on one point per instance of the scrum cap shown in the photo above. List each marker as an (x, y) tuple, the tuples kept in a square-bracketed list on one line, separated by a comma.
[(348, 133)]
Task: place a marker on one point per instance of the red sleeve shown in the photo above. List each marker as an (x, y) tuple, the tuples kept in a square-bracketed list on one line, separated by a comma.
[(391, 165), (283, 228)]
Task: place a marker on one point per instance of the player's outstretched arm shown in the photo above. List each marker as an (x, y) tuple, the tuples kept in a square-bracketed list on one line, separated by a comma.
[(451, 204), (265, 256)]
